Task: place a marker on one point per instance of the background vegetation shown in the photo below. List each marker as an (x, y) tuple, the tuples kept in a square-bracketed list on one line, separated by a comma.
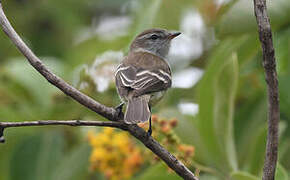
[(220, 103)]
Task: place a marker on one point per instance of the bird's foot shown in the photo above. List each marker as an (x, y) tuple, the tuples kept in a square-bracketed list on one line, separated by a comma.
[(149, 132)]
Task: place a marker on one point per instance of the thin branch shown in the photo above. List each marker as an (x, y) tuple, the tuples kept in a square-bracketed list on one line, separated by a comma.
[(109, 113), (269, 64), (64, 123), (49, 76), (161, 152), (4, 125), (134, 130)]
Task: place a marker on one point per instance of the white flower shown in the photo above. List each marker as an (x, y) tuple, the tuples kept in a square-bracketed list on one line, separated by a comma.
[(113, 26), (101, 71), (186, 78), (107, 28), (188, 108), (103, 68), (189, 45)]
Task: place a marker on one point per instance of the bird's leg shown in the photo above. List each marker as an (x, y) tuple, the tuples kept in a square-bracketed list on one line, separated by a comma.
[(119, 109), (149, 132)]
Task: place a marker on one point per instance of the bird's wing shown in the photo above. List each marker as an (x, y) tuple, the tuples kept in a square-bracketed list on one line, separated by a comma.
[(142, 81), (149, 81), (124, 78)]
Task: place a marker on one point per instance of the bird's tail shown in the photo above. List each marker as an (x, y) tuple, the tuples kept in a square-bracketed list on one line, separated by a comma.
[(137, 110)]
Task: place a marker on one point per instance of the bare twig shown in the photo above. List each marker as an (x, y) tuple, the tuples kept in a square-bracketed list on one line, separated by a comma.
[(109, 113), (120, 125), (161, 152), (134, 130), (4, 125), (52, 78), (269, 64)]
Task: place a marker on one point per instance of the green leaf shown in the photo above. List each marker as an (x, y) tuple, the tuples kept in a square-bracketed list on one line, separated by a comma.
[(281, 173), (254, 157), (35, 157), (217, 92), (282, 47), (242, 176), (256, 154), (50, 153), (74, 165), (36, 85), (160, 172), (150, 8), (208, 177), (239, 19)]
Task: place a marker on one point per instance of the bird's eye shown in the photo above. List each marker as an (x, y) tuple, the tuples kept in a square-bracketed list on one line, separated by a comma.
[(154, 37)]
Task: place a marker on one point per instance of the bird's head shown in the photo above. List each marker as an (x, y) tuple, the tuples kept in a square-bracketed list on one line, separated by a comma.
[(156, 41)]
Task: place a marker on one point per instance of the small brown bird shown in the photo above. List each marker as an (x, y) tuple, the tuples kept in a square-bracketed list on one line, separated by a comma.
[(144, 75)]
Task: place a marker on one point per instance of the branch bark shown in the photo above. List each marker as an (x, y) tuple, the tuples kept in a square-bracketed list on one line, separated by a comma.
[(64, 123), (49, 76), (107, 112), (4, 125), (269, 64), (134, 130)]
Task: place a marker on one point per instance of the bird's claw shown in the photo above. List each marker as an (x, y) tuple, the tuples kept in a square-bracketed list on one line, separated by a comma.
[(149, 132)]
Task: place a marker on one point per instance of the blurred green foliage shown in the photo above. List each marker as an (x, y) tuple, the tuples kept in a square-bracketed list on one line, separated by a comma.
[(229, 131)]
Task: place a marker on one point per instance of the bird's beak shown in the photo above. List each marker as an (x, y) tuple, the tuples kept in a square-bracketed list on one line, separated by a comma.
[(173, 35)]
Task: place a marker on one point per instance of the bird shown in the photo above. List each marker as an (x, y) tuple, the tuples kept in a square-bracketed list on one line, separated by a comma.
[(144, 75)]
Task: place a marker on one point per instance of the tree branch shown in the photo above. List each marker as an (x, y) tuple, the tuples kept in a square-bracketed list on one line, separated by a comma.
[(4, 125), (107, 112), (161, 152), (134, 130), (120, 125), (49, 76), (269, 64)]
